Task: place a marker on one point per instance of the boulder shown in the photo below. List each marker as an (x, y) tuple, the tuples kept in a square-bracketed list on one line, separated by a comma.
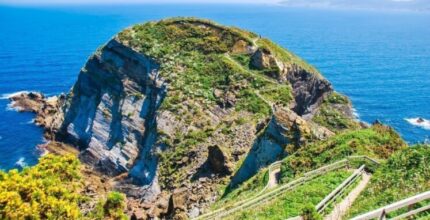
[(178, 199), (262, 59), (27, 101), (218, 160)]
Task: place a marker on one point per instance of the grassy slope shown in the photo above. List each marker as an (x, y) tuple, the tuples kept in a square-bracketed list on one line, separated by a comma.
[(405, 174), (244, 191), (292, 203), (377, 142)]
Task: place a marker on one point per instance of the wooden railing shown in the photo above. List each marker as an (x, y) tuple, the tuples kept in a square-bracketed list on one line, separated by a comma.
[(262, 197), (381, 213), (330, 198), (272, 167), (339, 190), (274, 193)]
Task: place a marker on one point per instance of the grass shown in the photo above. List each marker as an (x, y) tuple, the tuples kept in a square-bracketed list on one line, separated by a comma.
[(244, 191), (249, 101), (339, 199), (405, 174), (110, 208), (377, 142), (281, 94), (293, 203), (242, 59)]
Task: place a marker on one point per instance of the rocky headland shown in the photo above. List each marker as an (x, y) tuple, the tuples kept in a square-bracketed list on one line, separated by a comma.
[(169, 112)]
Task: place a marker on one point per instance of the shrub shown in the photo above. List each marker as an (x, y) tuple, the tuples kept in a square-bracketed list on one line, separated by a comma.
[(48, 190), (310, 213), (115, 205)]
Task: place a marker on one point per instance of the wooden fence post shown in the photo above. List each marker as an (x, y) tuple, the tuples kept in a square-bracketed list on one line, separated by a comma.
[(383, 215)]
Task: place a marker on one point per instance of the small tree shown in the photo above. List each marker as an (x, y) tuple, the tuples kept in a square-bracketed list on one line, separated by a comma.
[(310, 213)]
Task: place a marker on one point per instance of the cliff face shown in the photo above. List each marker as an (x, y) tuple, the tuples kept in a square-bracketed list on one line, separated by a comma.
[(174, 106), (110, 113)]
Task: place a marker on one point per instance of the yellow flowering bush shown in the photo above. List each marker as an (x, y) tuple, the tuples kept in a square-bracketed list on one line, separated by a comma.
[(48, 190)]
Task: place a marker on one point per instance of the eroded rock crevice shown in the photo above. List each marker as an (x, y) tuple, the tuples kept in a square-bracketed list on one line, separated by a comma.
[(309, 89)]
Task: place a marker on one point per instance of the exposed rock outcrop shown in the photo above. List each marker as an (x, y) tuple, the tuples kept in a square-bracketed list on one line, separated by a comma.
[(285, 128), (111, 113), (49, 114), (219, 161), (309, 88)]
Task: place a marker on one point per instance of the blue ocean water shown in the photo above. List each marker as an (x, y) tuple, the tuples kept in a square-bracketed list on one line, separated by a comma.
[(381, 60)]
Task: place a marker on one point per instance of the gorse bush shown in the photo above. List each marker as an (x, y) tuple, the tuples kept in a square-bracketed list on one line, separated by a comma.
[(48, 190), (51, 190)]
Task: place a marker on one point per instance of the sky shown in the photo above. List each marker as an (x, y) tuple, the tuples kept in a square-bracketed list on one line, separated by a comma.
[(415, 5), (44, 2)]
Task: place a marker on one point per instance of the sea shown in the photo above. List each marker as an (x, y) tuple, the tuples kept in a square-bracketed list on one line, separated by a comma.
[(380, 59)]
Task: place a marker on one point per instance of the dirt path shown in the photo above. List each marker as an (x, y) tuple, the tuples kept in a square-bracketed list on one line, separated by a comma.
[(273, 178), (254, 41), (342, 208)]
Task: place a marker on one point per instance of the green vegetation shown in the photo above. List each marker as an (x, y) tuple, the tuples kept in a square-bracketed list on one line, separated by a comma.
[(167, 37), (298, 201), (377, 142), (336, 98), (49, 190), (310, 213), (341, 197), (405, 174), (205, 64), (281, 94), (243, 59), (180, 147), (330, 114), (244, 191), (284, 55), (110, 208), (250, 102)]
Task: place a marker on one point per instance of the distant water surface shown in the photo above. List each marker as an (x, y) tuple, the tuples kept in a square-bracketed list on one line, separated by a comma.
[(381, 60)]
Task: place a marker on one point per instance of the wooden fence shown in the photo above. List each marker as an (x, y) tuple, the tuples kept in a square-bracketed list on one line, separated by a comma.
[(263, 197), (381, 213)]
